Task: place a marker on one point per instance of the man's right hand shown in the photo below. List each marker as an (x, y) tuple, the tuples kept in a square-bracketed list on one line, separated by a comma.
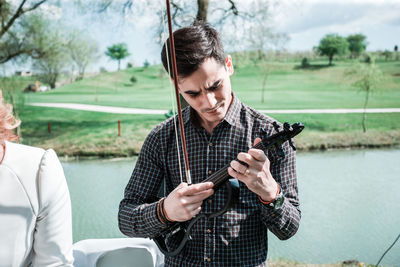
[(185, 201)]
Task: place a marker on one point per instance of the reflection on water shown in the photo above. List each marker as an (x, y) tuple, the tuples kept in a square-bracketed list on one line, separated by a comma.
[(349, 202)]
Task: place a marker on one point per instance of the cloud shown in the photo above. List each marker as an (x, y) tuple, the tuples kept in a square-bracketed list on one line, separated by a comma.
[(394, 21), (305, 15), (307, 21)]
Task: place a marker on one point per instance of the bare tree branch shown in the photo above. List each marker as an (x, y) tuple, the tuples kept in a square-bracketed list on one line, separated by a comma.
[(104, 6), (17, 13), (34, 6), (227, 12), (175, 15), (127, 6), (233, 8)]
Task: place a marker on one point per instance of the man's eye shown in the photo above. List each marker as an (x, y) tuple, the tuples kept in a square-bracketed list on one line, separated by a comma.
[(193, 94), (214, 88)]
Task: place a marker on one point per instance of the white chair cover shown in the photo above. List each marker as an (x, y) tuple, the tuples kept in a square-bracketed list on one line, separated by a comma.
[(117, 252)]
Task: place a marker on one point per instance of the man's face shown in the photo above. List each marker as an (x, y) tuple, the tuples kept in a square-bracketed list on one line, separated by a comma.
[(208, 91)]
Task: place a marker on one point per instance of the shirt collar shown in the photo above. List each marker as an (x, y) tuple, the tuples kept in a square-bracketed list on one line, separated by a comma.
[(232, 116), (187, 114)]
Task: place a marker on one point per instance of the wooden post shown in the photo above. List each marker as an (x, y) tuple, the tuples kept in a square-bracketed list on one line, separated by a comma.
[(119, 127), (49, 127)]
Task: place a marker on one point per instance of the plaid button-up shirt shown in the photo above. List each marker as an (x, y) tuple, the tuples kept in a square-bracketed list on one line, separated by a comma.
[(239, 236)]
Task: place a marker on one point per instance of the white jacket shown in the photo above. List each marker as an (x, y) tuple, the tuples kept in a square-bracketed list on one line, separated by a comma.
[(35, 209)]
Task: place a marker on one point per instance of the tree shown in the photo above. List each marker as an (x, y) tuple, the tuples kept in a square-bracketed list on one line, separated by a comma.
[(15, 32), (117, 52), (52, 44), (262, 38), (17, 26), (331, 45), (82, 50), (266, 68), (357, 44), (202, 10), (396, 48), (182, 11), (225, 13), (368, 77), (387, 54), (261, 35)]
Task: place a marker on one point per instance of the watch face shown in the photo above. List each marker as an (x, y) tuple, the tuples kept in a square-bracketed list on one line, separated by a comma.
[(277, 204)]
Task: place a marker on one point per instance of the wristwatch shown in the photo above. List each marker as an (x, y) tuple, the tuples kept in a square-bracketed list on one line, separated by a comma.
[(278, 202)]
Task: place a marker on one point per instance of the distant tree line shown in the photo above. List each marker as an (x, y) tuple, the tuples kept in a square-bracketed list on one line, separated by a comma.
[(353, 45), (334, 44)]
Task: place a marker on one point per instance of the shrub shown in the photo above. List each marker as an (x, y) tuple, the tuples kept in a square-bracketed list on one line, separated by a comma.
[(367, 58), (133, 79), (305, 63)]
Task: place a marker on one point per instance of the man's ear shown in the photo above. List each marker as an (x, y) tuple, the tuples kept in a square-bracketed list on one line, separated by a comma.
[(229, 64)]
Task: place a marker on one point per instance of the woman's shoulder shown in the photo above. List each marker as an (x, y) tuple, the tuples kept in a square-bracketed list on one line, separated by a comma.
[(20, 152), (23, 154), (21, 158), (28, 162)]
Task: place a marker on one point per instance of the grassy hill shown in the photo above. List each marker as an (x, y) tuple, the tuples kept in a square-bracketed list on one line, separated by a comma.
[(288, 87)]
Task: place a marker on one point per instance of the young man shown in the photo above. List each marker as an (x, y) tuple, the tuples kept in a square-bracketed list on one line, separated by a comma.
[(219, 129)]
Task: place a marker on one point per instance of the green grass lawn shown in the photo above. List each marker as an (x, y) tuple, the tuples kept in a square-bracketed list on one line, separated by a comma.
[(287, 88), (90, 133), (86, 133)]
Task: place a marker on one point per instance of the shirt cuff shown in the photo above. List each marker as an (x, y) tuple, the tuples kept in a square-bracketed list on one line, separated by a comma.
[(271, 211), (150, 216)]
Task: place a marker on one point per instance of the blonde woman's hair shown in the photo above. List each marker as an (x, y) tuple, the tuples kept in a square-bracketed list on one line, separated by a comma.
[(7, 121)]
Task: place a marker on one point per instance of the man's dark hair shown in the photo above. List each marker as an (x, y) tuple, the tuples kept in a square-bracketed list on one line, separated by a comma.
[(194, 44)]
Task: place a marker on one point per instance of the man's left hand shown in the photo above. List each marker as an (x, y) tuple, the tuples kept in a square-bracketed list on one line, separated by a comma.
[(256, 176)]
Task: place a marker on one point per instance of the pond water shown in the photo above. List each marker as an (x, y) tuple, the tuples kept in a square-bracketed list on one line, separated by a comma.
[(350, 202)]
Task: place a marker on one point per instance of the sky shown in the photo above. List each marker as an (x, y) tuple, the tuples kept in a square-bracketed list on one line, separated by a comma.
[(306, 22)]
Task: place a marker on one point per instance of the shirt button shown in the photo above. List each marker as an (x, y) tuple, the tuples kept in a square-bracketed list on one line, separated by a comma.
[(209, 171), (211, 144), (209, 201), (208, 259), (208, 231)]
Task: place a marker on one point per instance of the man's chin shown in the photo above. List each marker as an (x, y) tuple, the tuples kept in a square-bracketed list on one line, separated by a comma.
[(217, 114)]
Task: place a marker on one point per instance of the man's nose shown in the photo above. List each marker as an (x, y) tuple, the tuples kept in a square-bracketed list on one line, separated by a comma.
[(210, 99)]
